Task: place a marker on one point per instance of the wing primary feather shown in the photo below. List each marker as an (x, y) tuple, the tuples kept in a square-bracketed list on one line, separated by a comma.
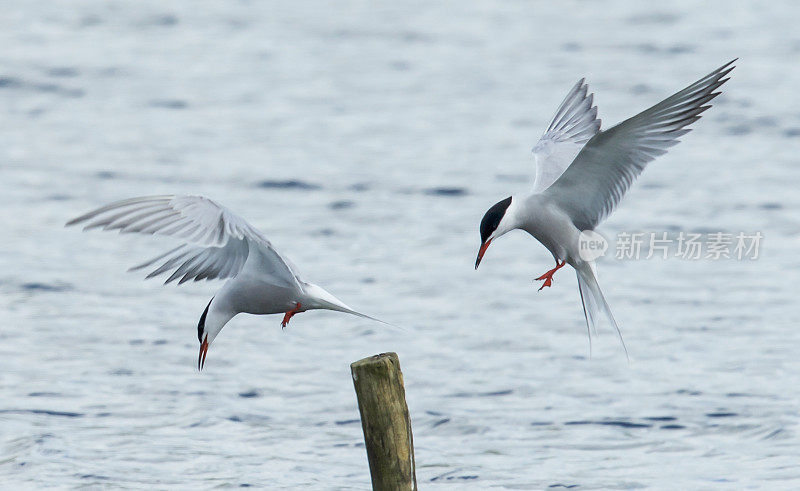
[(169, 264), (221, 230), (183, 268), (129, 220), (566, 104), (195, 269), (216, 242), (117, 204), (574, 123), (187, 233), (140, 225), (213, 267), (107, 219), (601, 173), (156, 259), (158, 225), (182, 224)]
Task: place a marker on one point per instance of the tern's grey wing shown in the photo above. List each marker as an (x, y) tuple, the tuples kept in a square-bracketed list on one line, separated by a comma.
[(607, 165), (574, 123), (216, 241)]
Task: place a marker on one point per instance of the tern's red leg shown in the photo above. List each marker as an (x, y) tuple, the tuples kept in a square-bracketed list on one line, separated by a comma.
[(548, 277), (289, 315)]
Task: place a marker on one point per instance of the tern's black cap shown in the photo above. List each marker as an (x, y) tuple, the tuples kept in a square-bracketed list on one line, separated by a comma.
[(201, 326), (493, 217)]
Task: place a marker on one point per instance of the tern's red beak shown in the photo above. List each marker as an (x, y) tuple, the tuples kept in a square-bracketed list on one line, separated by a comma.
[(481, 252), (201, 358)]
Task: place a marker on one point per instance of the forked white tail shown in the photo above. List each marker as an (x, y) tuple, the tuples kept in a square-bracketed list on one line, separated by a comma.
[(594, 303)]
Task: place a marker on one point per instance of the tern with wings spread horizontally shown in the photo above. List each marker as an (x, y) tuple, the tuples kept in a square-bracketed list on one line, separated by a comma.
[(216, 244)]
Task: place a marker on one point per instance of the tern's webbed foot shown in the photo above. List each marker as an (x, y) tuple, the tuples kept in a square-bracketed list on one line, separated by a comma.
[(548, 276), (288, 316)]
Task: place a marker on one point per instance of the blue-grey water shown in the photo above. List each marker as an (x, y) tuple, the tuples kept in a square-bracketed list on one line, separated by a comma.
[(366, 140)]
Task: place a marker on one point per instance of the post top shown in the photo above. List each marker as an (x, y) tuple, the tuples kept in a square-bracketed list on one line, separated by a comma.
[(376, 359)]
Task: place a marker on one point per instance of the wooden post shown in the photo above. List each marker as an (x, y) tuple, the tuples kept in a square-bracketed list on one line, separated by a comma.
[(386, 423)]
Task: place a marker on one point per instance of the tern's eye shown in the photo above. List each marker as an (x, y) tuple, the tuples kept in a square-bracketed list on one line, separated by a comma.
[(493, 217)]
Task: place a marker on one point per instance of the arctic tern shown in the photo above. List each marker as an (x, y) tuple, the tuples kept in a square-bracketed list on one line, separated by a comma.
[(582, 174), (217, 244)]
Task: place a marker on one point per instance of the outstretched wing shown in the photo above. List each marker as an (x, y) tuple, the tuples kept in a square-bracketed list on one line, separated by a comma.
[(216, 242), (605, 168), (574, 123)]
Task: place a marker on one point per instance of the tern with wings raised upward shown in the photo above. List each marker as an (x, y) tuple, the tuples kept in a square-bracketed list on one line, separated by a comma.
[(582, 174), (217, 244)]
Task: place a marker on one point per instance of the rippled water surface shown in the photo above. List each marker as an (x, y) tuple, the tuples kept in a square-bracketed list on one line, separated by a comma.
[(366, 141)]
